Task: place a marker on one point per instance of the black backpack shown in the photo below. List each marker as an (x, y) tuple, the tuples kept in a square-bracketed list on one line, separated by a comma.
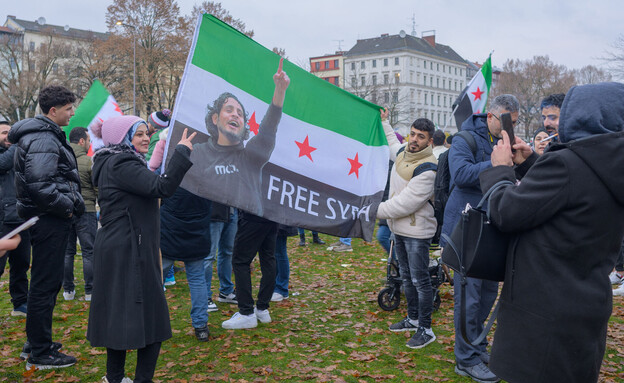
[(442, 186)]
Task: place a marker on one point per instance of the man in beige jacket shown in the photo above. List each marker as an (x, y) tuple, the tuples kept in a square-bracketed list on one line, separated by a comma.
[(410, 215)]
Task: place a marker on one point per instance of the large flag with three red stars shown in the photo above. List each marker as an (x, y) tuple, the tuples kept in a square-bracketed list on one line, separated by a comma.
[(473, 99), (322, 165)]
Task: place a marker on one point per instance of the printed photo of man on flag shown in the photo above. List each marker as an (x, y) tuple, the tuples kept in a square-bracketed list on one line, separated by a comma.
[(224, 166)]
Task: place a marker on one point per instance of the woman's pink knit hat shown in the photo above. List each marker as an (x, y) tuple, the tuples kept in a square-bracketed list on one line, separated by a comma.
[(113, 130)]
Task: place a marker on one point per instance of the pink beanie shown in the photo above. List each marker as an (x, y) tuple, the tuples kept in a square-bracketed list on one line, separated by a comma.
[(113, 130)]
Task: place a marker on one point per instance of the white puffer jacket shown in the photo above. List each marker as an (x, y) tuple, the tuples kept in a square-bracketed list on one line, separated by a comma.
[(407, 209)]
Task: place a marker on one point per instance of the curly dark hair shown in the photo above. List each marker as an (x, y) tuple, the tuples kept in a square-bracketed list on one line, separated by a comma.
[(216, 107), (555, 100), (55, 95)]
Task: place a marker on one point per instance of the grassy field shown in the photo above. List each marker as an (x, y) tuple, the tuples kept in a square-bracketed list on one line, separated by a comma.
[(331, 329)]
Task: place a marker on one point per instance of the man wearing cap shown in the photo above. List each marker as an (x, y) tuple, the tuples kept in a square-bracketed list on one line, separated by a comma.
[(155, 122)]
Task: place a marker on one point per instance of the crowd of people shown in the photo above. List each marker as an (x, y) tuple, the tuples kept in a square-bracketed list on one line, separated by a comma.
[(563, 210)]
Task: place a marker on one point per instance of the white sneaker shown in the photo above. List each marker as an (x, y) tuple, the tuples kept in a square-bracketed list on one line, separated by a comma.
[(88, 297), (69, 295), (619, 290), (212, 306), (277, 297), (124, 380), (335, 244), (240, 321), (615, 278), (262, 315)]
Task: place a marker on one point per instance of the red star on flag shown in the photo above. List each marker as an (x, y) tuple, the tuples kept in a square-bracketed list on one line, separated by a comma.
[(117, 108), (253, 125), (305, 149), (355, 166), (477, 94)]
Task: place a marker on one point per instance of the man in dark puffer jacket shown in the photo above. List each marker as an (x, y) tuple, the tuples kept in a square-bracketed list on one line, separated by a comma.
[(47, 185)]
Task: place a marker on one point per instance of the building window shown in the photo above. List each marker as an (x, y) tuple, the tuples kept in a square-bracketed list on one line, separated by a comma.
[(336, 64), (385, 62), (395, 116), (374, 63), (337, 81), (32, 46), (439, 102), (374, 97), (395, 96), (437, 82), (445, 101), (412, 95), (363, 65), (425, 64), (353, 66), (438, 67), (396, 61), (432, 99), (386, 79), (438, 118), (455, 85), (353, 82), (426, 102), (363, 81), (327, 64), (412, 77), (444, 84), (455, 71), (374, 79), (397, 78), (317, 65), (431, 65), (386, 98), (431, 81)]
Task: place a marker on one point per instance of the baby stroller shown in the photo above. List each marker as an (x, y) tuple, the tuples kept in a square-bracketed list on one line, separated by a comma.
[(389, 297)]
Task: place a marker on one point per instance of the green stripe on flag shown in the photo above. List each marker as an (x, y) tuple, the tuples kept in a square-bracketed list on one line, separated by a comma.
[(229, 54), (89, 107), (486, 71)]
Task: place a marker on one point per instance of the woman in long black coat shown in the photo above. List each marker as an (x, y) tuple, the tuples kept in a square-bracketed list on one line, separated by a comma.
[(128, 307)]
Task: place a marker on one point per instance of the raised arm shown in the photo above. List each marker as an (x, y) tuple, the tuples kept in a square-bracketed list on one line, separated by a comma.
[(282, 81)]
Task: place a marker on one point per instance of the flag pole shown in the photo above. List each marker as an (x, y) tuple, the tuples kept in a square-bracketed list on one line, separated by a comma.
[(452, 114)]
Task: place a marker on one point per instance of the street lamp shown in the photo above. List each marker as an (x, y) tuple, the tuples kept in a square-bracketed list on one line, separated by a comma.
[(134, 64)]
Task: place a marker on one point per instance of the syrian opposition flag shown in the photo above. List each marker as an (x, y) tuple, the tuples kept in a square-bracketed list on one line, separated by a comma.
[(473, 98), (98, 104), (328, 167)]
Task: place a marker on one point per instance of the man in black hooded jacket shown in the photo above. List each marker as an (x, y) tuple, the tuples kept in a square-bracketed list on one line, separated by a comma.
[(565, 217), (47, 185)]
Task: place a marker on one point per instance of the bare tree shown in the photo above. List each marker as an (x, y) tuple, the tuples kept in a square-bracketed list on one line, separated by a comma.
[(530, 81), (23, 72), (615, 57), (589, 74), (217, 10)]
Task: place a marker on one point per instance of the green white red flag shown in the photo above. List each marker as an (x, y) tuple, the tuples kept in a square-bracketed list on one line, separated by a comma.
[(98, 104), (474, 97), (328, 168)]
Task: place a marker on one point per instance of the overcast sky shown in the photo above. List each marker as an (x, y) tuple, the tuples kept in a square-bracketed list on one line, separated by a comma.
[(574, 33)]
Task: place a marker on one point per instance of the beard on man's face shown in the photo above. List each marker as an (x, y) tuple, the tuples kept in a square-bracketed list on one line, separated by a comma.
[(231, 136)]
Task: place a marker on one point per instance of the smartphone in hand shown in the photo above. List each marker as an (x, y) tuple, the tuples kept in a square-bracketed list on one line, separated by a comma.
[(507, 125)]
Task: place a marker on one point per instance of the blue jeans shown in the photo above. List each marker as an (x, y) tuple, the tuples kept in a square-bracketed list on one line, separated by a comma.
[(383, 236), (413, 256), (282, 266), (222, 241), (83, 227), (480, 297), (197, 286)]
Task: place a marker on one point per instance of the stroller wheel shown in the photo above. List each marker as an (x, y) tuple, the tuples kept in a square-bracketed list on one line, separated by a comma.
[(389, 298), (437, 301)]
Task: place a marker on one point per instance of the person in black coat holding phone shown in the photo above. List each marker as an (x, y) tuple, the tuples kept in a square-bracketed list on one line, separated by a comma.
[(565, 217)]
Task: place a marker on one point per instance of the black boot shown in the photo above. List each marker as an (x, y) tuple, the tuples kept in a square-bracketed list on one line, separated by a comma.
[(301, 239), (316, 239)]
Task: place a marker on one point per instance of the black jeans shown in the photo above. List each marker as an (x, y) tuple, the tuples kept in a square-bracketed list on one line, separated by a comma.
[(49, 241), (83, 227), (145, 367), (19, 260), (254, 235)]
